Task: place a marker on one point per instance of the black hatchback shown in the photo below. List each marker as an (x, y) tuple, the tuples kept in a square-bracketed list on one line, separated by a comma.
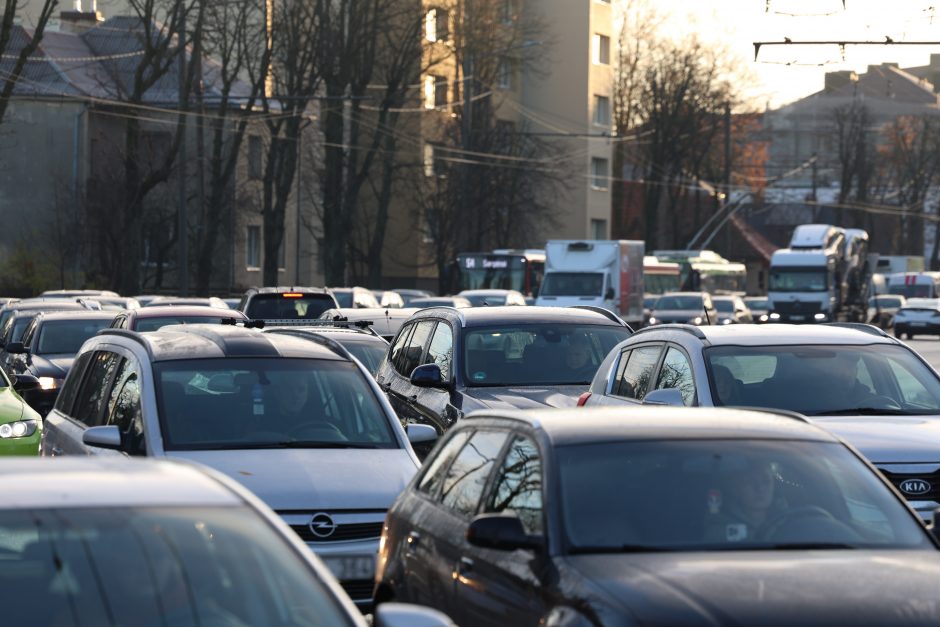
[(446, 362)]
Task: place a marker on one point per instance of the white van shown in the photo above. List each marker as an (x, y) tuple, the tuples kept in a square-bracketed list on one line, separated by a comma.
[(915, 284)]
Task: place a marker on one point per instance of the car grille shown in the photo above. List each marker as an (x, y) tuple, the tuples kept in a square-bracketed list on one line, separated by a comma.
[(932, 478), (797, 308), (352, 531), (358, 589)]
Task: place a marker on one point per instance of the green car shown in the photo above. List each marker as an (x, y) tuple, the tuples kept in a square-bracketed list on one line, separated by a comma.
[(20, 425)]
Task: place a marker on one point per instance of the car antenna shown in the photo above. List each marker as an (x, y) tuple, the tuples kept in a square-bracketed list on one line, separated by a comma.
[(707, 319)]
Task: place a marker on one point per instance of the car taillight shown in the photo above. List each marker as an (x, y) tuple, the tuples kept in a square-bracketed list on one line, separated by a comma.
[(583, 399), (292, 295)]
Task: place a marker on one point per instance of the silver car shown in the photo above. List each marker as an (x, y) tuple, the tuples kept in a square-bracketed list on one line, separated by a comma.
[(95, 541), (852, 379), (299, 423)]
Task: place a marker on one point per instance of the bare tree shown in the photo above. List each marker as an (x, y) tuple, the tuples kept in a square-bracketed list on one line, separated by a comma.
[(850, 126), (16, 44)]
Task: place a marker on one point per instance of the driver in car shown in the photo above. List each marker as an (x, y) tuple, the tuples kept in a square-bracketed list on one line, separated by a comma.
[(739, 513)]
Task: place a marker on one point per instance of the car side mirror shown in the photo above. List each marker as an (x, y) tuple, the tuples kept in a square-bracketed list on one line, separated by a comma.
[(25, 382), (104, 436), (665, 396), (405, 615), (15, 348), (502, 532), (935, 524), (428, 376), (420, 433), (609, 295)]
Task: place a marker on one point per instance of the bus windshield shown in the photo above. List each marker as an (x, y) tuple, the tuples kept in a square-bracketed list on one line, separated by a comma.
[(505, 272)]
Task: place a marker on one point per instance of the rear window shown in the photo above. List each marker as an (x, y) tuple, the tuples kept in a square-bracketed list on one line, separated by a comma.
[(65, 337), (283, 306), (152, 324)]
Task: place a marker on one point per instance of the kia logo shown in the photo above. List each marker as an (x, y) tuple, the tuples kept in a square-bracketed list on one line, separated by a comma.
[(322, 526), (915, 486)]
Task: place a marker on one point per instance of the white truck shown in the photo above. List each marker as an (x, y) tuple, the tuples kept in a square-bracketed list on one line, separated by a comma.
[(601, 273), (823, 276)]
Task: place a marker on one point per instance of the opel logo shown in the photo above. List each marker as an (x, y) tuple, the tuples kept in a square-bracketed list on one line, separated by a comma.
[(915, 486), (322, 525)]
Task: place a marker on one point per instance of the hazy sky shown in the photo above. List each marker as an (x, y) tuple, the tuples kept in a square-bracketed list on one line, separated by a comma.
[(739, 23)]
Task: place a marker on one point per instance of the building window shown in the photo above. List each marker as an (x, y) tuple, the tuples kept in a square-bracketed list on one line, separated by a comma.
[(437, 25), (255, 170), (253, 248), (599, 173), (602, 110), (601, 45), (598, 229), (504, 80)]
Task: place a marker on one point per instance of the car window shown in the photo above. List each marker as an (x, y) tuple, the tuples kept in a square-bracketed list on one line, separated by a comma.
[(124, 409), (912, 390), (411, 355), (466, 477), (90, 404), (29, 333), (676, 372), (398, 347), (518, 486), (73, 382), (635, 378), (65, 337), (288, 306), (436, 467), (441, 349), (369, 353)]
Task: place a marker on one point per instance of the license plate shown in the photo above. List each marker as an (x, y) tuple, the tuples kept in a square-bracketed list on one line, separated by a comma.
[(797, 317), (918, 324), (349, 567)]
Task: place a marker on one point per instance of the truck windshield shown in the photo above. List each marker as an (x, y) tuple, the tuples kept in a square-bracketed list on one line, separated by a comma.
[(572, 284), (798, 280), (922, 290)]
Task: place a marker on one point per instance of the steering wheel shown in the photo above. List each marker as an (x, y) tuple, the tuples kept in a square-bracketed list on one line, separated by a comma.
[(794, 514), (323, 431), (882, 401)]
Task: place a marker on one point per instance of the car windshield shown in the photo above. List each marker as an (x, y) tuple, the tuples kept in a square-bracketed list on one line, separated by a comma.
[(154, 567), (345, 299), (572, 284), (679, 303), (152, 324), (919, 290), (369, 353), (724, 306), (883, 302), (797, 280), (726, 495), (537, 354), (281, 306), (65, 337), (865, 380), (230, 403)]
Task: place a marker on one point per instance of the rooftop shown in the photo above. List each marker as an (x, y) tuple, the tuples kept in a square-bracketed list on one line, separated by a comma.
[(479, 316)]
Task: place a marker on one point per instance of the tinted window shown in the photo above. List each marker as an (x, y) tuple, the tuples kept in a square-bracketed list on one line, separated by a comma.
[(398, 348), (369, 353), (537, 354), (441, 349), (278, 307), (124, 410), (679, 302), (749, 494), (436, 468), (411, 357), (676, 372), (234, 403), (19, 327), (466, 477), (155, 566), (635, 379), (726, 306), (73, 382), (91, 401), (65, 337), (518, 486)]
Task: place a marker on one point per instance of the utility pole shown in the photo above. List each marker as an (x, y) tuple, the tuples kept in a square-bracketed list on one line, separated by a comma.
[(182, 262), (727, 185)]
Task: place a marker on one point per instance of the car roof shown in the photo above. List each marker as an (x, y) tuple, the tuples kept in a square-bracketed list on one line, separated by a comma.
[(287, 288), (61, 304), (78, 314), (493, 292), (775, 334), (211, 341), (602, 424), (89, 481), (167, 311), (346, 332), (483, 316)]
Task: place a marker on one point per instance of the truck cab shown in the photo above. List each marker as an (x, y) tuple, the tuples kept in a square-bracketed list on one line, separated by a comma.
[(803, 286)]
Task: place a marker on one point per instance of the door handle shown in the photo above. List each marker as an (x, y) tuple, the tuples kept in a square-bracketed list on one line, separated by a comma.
[(56, 451), (465, 565)]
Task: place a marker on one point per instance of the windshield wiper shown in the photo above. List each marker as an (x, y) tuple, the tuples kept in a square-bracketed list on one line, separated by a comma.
[(289, 444), (865, 411), (811, 546), (623, 548)]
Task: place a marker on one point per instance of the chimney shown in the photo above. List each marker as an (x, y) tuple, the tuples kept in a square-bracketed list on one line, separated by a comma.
[(84, 15), (837, 80)]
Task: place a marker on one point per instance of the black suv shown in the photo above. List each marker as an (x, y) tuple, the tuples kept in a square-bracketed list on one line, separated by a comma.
[(286, 303), (445, 362)]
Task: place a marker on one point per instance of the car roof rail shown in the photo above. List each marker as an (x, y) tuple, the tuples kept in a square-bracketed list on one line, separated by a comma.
[(131, 335), (870, 329), (319, 338), (607, 313), (248, 324), (337, 322), (688, 328)]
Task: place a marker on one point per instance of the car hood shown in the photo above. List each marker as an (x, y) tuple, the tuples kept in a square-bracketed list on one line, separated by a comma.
[(678, 314), (55, 366), (12, 408), (517, 397), (767, 588), (315, 478), (888, 439)]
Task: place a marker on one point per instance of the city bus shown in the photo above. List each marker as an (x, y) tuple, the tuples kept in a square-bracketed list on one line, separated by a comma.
[(659, 277), (706, 271), (520, 270)]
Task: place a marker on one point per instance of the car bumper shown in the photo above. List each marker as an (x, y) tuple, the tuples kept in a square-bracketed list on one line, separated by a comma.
[(21, 446), (917, 328)]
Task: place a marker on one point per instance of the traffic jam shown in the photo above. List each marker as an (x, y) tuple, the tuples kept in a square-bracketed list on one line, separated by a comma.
[(636, 447)]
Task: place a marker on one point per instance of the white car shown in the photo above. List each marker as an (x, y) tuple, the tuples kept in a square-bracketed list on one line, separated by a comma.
[(95, 541), (301, 424), (493, 297)]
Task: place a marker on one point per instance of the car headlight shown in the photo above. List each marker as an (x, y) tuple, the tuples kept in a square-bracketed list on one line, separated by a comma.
[(696, 320), (765, 318), (653, 320), (49, 383), (819, 316), (727, 321), (775, 316), (18, 429)]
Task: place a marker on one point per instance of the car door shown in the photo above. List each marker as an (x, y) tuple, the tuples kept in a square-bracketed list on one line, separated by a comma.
[(124, 409), (634, 377), (503, 587), (51, 444), (399, 381)]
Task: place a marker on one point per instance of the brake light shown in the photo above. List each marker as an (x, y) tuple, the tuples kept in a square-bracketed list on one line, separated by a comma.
[(292, 295), (583, 399)]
